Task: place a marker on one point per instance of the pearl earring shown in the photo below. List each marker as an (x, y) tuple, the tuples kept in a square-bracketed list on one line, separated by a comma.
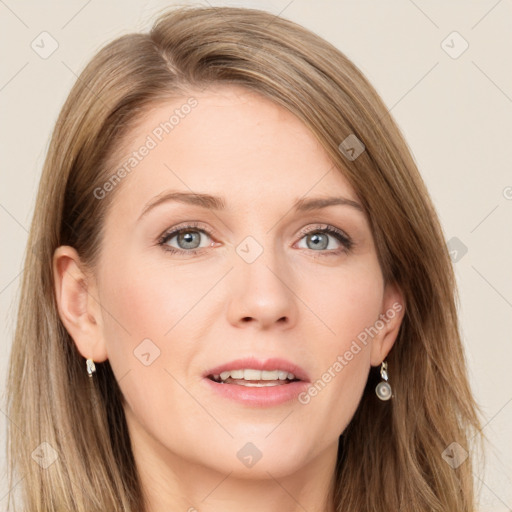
[(383, 389)]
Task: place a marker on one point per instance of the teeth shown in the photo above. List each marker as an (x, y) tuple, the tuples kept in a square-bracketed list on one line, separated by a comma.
[(259, 384), (255, 375)]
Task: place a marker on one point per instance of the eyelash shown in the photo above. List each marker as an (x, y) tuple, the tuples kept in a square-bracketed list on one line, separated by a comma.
[(330, 230)]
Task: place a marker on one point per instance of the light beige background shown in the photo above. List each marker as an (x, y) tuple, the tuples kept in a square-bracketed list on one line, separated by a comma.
[(456, 114)]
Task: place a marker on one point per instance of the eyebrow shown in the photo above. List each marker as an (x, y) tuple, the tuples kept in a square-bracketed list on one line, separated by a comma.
[(210, 202)]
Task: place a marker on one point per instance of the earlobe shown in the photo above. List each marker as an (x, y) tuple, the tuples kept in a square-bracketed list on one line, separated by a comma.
[(77, 303), (393, 310)]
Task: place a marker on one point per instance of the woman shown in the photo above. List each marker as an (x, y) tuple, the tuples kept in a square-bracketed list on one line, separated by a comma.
[(239, 293)]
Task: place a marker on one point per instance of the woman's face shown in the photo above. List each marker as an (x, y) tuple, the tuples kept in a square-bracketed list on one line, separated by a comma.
[(260, 272)]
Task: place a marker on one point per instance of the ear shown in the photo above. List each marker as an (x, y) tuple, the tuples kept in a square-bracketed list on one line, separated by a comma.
[(392, 313), (78, 303)]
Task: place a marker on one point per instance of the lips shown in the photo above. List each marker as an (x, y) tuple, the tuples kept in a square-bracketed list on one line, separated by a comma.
[(259, 364), (258, 393)]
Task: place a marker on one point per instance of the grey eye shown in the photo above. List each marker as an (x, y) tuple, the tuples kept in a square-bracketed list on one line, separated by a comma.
[(189, 239), (317, 240), (186, 239), (320, 241)]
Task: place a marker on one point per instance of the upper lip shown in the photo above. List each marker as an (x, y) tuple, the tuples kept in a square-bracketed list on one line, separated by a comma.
[(254, 363)]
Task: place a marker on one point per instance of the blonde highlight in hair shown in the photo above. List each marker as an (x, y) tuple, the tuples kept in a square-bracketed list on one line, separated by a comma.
[(390, 455)]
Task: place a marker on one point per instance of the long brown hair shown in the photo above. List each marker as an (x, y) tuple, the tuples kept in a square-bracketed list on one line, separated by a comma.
[(390, 456)]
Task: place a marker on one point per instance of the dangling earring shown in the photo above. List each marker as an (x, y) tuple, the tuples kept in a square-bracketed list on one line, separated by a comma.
[(383, 389), (91, 368)]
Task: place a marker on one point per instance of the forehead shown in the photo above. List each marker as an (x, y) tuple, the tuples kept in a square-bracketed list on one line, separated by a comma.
[(229, 141)]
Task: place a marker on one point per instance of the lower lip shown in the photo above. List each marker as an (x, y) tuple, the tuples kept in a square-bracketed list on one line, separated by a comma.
[(266, 396)]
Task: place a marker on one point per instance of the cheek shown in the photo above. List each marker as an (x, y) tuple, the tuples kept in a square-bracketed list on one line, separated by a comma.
[(144, 301), (354, 318), (350, 310), (346, 301), (142, 331), (140, 309)]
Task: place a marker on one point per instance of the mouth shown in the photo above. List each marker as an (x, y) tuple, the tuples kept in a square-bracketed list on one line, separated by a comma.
[(251, 377), (258, 383), (254, 372)]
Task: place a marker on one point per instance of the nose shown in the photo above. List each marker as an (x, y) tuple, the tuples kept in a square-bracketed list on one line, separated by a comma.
[(262, 293)]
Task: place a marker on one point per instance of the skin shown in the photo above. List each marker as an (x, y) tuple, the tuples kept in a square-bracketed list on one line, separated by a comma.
[(206, 309)]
